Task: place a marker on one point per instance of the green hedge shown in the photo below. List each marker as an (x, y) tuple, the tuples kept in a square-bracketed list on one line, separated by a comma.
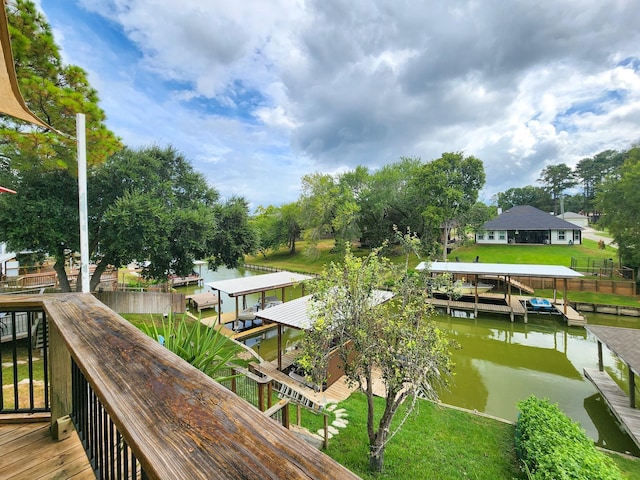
[(552, 446)]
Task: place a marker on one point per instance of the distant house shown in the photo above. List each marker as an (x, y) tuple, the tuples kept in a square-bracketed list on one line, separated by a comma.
[(7, 265), (526, 224), (575, 218)]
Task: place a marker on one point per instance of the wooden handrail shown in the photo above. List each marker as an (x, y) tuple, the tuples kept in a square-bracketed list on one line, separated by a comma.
[(179, 423)]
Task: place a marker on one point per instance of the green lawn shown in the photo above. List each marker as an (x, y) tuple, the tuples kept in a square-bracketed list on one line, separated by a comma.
[(533, 254), (435, 442)]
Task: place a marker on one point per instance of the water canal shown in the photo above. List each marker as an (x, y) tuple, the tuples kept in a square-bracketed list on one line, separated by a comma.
[(501, 363)]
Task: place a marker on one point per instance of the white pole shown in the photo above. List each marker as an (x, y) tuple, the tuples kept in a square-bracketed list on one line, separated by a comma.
[(82, 197)]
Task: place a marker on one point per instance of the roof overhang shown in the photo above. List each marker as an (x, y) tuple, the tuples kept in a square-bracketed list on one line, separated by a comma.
[(623, 342), (295, 313), (500, 269), (258, 283)]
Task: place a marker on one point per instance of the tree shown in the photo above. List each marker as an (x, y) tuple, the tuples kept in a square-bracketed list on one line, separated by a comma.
[(388, 199), (451, 184), (329, 208), (55, 93), (43, 216), (146, 205), (39, 163), (397, 337), (277, 226), (477, 216), (592, 172), (530, 195), (556, 179), (619, 200)]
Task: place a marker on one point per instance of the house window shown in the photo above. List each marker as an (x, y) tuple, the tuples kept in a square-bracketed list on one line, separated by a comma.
[(560, 234), (502, 234), (576, 236), (480, 235), (491, 235)]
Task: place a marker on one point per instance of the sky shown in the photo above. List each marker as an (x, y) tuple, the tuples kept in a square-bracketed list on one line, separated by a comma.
[(258, 93)]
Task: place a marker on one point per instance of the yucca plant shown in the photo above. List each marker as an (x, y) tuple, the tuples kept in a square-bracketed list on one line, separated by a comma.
[(205, 348)]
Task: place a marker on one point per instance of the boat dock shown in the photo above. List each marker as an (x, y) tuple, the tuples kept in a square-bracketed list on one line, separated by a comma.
[(470, 305), (513, 305), (617, 401), (623, 343), (202, 301), (184, 281)]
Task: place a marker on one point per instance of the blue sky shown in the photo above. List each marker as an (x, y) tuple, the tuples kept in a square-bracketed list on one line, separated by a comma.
[(257, 94)]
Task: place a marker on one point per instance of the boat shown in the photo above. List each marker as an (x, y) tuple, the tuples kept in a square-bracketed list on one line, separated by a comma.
[(465, 288), (250, 313), (538, 303)]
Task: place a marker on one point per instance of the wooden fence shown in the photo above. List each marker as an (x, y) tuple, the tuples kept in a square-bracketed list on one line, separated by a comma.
[(143, 302), (616, 287)]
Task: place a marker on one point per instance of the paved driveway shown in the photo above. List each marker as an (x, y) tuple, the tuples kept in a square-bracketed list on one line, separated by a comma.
[(594, 235)]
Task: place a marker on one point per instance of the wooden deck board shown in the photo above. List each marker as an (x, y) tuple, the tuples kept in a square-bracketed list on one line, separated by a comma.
[(617, 401), (28, 452), (572, 316)]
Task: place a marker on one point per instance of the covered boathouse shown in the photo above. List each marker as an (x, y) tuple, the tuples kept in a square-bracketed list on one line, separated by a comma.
[(510, 304)]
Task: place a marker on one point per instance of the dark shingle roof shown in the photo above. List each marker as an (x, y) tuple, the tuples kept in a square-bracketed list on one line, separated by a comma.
[(525, 217)]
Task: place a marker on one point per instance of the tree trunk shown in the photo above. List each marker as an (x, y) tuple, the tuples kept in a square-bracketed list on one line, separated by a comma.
[(445, 240), (63, 280), (376, 461), (95, 278)]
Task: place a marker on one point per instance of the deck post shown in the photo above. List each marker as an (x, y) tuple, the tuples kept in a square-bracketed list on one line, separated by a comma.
[(60, 365), (220, 307), (600, 362), (280, 346), (325, 442), (632, 387), (564, 295)]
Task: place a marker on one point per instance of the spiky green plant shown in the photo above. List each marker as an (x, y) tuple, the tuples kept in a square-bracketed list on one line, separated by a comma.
[(205, 348)]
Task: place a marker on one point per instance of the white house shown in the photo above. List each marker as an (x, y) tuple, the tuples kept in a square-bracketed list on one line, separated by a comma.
[(6, 264), (526, 224), (575, 218)]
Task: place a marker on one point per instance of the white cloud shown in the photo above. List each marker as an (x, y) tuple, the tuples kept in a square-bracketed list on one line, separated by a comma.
[(260, 93)]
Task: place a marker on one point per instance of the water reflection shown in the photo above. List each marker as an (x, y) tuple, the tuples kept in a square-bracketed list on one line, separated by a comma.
[(501, 363)]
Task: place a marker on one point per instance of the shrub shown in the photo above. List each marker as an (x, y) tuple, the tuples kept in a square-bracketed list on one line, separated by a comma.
[(205, 348), (552, 446)]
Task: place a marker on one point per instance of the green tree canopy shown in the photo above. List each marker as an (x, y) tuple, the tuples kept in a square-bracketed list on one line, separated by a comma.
[(530, 195), (396, 338), (591, 172), (277, 226), (55, 93), (389, 200), (450, 187), (619, 200), (556, 179), (329, 206), (146, 204)]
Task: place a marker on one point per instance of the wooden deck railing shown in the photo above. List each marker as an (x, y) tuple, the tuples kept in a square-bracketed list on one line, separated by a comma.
[(177, 422)]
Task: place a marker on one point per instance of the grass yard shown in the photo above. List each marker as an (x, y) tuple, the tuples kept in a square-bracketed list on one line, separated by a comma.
[(435, 442), (529, 254), (533, 254)]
